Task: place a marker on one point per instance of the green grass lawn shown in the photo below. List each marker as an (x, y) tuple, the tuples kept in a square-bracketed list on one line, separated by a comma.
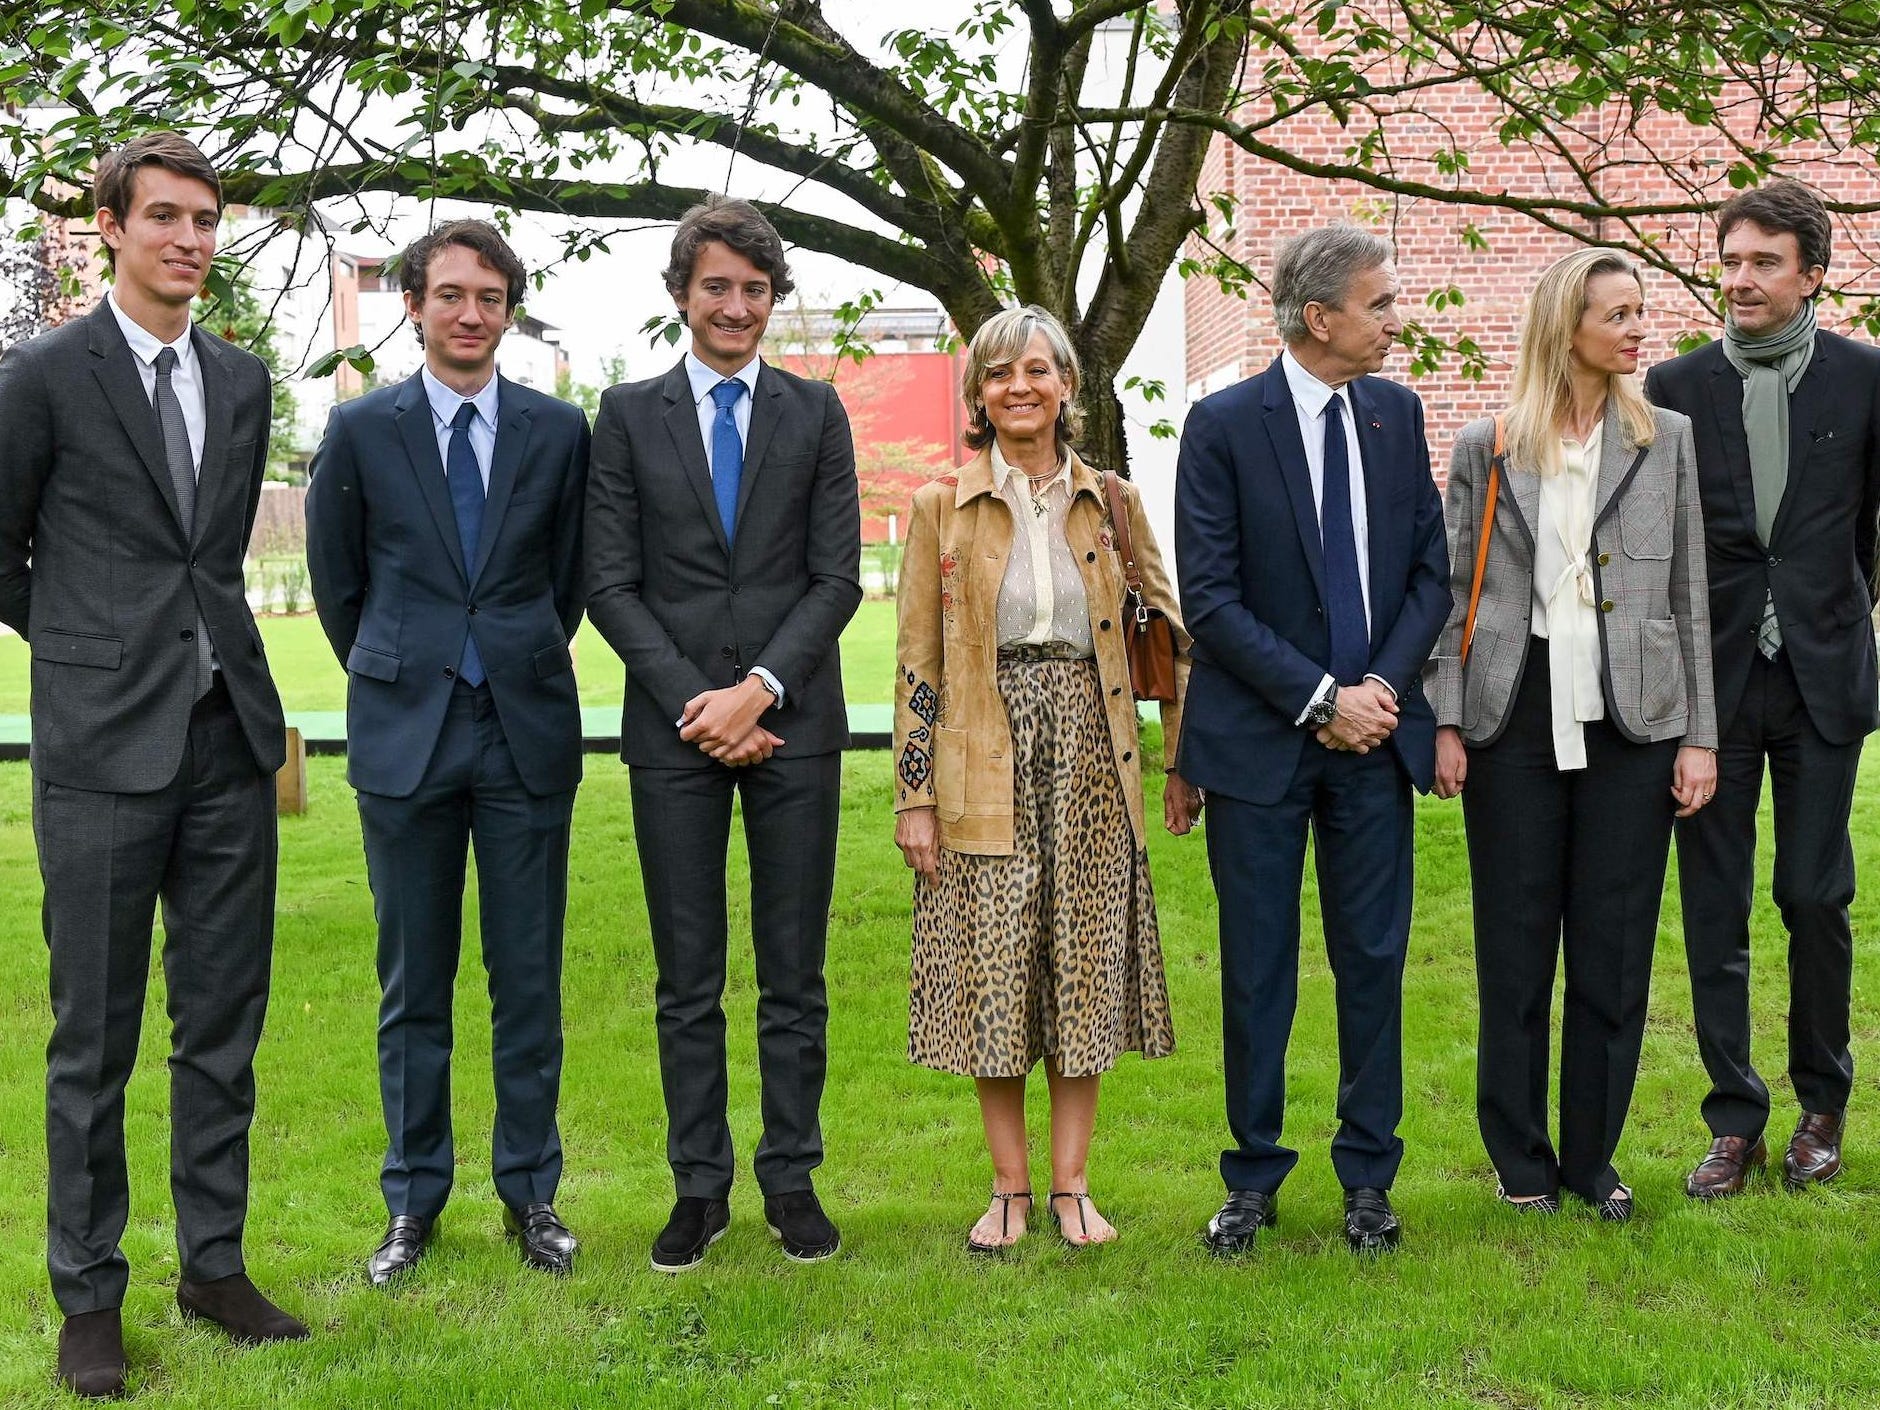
[(310, 678), (1766, 1301)]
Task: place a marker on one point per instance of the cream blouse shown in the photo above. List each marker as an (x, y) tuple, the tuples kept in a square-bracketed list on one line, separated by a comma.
[(1565, 607), (1041, 597)]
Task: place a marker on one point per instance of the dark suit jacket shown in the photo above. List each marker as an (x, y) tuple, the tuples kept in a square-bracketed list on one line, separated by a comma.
[(397, 599), (1820, 560), (687, 612), (1249, 558), (96, 571)]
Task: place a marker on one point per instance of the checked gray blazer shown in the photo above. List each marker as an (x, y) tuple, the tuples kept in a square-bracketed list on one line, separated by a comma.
[(1648, 568)]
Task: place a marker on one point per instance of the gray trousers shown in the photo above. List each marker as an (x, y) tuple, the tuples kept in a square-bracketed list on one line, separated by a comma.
[(682, 824), (205, 846)]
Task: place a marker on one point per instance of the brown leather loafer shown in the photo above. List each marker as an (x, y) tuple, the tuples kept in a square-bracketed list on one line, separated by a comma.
[(1727, 1167), (1814, 1153)]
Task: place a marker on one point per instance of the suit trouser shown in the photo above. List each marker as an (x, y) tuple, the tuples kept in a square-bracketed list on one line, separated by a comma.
[(1562, 861), (204, 845), (416, 850), (1359, 811), (1813, 786), (682, 824)]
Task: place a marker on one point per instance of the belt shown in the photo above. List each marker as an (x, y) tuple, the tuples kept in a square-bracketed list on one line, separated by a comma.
[(1049, 651)]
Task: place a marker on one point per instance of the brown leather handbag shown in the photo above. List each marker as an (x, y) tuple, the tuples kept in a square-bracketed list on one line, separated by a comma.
[(1148, 639)]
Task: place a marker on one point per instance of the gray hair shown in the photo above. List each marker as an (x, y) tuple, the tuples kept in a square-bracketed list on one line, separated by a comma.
[(1317, 268), (1003, 338)]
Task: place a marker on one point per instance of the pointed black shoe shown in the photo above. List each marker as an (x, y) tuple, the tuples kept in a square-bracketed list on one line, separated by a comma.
[(1237, 1224), (238, 1307), (694, 1225), (1371, 1225), (798, 1220), (406, 1238), (546, 1242)]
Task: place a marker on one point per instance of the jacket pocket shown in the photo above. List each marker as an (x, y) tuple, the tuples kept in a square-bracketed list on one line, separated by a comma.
[(1661, 672), (105, 653), (372, 663), (1645, 525), (949, 772), (553, 660)]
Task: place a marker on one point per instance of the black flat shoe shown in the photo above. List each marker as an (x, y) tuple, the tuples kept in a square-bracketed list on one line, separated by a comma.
[(1005, 1198), (694, 1225), (406, 1238), (1534, 1204), (238, 1307), (1238, 1222), (797, 1219), (1371, 1225), (546, 1242), (91, 1354)]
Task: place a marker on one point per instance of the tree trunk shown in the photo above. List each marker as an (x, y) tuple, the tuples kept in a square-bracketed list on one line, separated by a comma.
[(1105, 445)]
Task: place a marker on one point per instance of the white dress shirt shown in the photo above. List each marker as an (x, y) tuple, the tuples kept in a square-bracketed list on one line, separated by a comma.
[(703, 379), (1564, 611), (1310, 397), (185, 377), (444, 404)]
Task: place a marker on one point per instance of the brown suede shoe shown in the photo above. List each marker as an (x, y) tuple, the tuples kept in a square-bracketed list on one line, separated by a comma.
[(1727, 1167), (1814, 1153), (91, 1354)]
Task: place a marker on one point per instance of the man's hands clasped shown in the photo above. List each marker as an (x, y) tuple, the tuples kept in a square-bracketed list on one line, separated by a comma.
[(724, 723), (1366, 714)]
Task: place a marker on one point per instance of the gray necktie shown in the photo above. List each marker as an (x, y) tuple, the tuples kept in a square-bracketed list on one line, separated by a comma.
[(183, 477)]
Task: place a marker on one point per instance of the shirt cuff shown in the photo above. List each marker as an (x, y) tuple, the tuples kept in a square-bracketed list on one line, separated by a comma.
[(1381, 681), (1317, 695), (775, 686)]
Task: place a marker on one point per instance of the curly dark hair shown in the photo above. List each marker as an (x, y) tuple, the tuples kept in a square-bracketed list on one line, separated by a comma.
[(738, 224), (476, 235), (1783, 207)]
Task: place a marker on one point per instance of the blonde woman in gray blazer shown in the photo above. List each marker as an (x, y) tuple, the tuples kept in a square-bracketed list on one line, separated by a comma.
[(1582, 720)]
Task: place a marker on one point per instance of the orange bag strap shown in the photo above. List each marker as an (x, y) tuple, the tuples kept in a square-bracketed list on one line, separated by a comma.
[(1481, 539)]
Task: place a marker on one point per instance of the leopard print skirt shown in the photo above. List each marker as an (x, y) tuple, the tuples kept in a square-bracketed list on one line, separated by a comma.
[(1054, 949)]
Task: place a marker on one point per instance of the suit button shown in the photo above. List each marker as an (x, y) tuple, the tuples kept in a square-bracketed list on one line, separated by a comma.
[(1127, 756), (450, 673), (1104, 624), (726, 652), (1606, 606), (1090, 558), (734, 589), (1773, 560), (1604, 559), (188, 634), (192, 560), (1116, 690), (473, 609)]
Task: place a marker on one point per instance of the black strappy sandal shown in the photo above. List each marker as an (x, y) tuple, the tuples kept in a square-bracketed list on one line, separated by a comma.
[(1536, 1204), (1005, 1198), (1083, 1222), (1615, 1208)]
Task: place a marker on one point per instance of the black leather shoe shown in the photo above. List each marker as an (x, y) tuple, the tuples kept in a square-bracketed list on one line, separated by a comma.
[(1371, 1225), (1239, 1221), (694, 1226), (546, 1242), (236, 1306), (797, 1218), (406, 1238), (91, 1354)]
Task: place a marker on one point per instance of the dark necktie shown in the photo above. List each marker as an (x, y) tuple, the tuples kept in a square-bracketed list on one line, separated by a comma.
[(1344, 593), (182, 468), (727, 453), (466, 498)]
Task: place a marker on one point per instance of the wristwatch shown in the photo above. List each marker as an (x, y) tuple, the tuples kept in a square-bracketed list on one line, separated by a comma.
[(1321, 713)]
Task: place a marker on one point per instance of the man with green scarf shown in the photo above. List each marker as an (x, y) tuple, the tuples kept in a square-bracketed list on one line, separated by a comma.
[(1787, 423)]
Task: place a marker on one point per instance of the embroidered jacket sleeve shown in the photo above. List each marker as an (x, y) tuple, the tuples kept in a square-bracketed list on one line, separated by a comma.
[(919, 642)]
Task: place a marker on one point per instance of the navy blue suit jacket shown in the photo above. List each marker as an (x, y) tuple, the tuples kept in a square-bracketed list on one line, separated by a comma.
[(396, 598), (1248, 554)]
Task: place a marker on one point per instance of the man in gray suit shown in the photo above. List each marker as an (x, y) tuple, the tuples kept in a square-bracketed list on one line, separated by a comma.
[(723, 551), (132, 448)]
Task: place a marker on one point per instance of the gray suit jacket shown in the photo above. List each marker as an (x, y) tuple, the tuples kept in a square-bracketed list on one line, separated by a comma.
[(686, 610), (96, 571), (1648, 565)]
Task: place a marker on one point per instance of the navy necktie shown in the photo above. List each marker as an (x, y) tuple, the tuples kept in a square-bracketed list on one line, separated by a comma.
[(466, 498), (727, 453), (1344, 593)]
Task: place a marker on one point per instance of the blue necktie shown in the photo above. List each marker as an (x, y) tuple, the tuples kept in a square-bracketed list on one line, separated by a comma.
[(1344, 594), (727, 453), (466, 498)]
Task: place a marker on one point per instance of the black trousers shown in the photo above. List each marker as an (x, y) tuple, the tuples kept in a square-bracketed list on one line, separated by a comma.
[(1813, 786), (1358, 810), (416, 851), (203, 845), (1562, 862), (682, 824)]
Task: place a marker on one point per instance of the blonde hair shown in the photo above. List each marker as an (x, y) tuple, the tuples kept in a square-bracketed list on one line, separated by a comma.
[(1543, 386), (1003, 338)]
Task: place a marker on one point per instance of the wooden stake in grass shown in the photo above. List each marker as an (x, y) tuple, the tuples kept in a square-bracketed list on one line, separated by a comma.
[(290, 781)]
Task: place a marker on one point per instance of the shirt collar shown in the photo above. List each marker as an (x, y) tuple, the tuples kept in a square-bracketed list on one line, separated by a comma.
[(704, 378), (144, 344), (1308, 392), (444, 401), (1002, 471)]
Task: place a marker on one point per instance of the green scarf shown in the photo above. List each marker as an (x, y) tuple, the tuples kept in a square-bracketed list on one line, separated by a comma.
[(1771, 368)]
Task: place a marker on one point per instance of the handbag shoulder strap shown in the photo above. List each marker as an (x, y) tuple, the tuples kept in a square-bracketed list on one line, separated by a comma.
[(1481, 538), (1119, 516)]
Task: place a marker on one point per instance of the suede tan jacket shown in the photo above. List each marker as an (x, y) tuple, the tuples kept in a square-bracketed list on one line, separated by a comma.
[(952, 739)]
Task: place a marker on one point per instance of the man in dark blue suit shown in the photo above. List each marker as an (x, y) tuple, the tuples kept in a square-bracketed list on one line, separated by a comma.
[(1314, 577), (443, 535)]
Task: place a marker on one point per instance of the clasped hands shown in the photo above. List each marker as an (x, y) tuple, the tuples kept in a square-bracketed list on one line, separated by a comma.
[(1366, 713), (724, 723)]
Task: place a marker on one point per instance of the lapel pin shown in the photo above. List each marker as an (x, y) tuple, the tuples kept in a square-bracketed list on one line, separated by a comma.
[(1377, 425)]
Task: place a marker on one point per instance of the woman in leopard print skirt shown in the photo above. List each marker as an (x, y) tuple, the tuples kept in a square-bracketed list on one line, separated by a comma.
[(1018, 783)]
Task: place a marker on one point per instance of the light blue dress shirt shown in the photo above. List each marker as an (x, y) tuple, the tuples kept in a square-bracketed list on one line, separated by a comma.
[(444, 404)]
